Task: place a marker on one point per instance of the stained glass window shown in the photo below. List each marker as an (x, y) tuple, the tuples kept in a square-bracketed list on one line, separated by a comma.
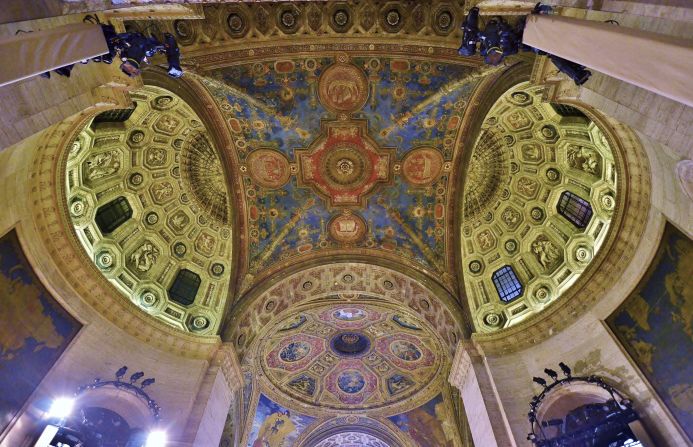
[(184, 287), (507, 284), (113, 214), (574, 208)]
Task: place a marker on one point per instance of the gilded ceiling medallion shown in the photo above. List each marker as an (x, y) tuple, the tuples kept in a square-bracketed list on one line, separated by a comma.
[(348, 228), (422, 167), (344, 164), (343, 88), (268, 168)]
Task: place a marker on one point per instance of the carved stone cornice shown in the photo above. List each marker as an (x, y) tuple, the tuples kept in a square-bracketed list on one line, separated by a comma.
[(227, 360)]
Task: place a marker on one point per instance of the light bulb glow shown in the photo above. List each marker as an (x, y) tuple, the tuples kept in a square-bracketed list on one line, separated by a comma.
[(156, 438), (61, 407)]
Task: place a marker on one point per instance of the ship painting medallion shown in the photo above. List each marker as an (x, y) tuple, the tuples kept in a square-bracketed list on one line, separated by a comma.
[(343, 88), (268, 168), (422, 166), (344, 164), (347, 228)]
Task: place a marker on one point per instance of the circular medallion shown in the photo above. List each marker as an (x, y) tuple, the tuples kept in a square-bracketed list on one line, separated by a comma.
[(345, 166), (343, 88), (422, 166), (351, 381), (347, 228), (349, 314), (268, 168), (405, 350), (294, 352), (350, 344)]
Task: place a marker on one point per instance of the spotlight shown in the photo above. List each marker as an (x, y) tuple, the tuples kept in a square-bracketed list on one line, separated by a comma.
[(147, 382), (539, 381), (137, 376), (565, 369), (61, 408), (551, 373), (156, 438), (121, 372)]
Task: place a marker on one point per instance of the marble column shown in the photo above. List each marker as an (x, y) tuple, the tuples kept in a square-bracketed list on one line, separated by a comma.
[(214, 398), (487, 420), (28, 54), (655, 62)]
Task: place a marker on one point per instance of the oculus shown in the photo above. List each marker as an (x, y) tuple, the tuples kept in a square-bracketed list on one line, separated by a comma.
[(350, 344)]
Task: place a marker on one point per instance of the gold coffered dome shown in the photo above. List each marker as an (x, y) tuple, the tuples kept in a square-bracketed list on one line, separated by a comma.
[(538, 201), (148, 201)]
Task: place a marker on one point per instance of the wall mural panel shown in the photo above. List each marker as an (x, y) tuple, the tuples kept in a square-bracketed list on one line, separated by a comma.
[(340, 153), (34, 333), (429, 424), (655, 325), (276, 426)]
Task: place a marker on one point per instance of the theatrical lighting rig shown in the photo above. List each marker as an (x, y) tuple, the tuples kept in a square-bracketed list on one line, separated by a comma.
[(64, 430), (591, 425)]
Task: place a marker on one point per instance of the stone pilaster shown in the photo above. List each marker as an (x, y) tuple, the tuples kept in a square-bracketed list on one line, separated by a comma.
[(470, 374)]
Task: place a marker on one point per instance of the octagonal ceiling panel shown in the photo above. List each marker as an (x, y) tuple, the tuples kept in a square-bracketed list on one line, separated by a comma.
[(351, 357)]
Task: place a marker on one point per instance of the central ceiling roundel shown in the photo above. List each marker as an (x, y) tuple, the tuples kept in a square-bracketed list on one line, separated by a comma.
[(351, 356)]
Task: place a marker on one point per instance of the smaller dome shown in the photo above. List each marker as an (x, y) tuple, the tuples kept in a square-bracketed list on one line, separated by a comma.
[(350, 344)]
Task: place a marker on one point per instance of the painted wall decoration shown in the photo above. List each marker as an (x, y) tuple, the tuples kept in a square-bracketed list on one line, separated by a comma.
[(369, 138), (350, 356), (655, 325), (35, 329), (276, 426), (429, 424)]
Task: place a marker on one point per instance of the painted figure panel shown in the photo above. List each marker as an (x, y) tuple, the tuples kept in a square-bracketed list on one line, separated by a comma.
[(34, 333), (276, 426), (655, 325), (429, 425)]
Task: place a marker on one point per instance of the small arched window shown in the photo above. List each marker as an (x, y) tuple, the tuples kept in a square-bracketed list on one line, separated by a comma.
[(507, 283), (185, 287), (574, 208), (113, 214)]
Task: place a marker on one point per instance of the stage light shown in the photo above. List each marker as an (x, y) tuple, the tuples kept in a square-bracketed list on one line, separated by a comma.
[(61, 408), (156, 438)]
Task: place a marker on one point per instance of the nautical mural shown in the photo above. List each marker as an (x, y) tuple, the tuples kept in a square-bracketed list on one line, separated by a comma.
[(34, 333), (276, 426), (655, 324), (340, 152), (428, 425)]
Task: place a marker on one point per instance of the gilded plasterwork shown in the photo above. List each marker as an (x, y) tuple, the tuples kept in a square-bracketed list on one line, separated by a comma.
[(526, 156), (351, 356), (162, 162)]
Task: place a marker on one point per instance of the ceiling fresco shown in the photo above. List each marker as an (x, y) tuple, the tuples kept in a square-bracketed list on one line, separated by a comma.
[(341, 153), (352, 439), (351, 357), (160, 160), (343, 282), (528, 155)]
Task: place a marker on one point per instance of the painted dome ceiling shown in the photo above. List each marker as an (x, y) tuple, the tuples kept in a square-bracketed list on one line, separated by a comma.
[(148, 200), (539, 196), (351, 356), (344, 154)]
